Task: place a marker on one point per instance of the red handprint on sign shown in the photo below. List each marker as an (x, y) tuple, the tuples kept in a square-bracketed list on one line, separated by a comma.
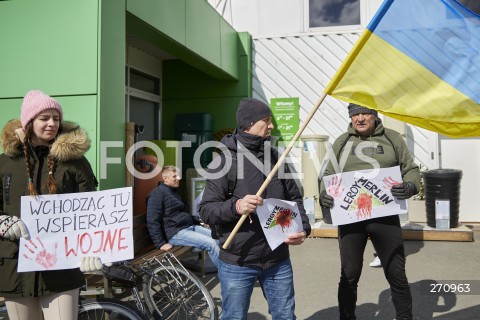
[(335, 187), (40, 254), (390, 182)]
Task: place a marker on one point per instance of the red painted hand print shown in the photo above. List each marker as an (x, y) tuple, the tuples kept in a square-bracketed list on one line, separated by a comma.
[(335, 187), (390, 182), (40, 254), (364, 204)]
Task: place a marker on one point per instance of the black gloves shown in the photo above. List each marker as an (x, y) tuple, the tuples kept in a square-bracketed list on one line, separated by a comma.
[(403, 190), (326, 201)]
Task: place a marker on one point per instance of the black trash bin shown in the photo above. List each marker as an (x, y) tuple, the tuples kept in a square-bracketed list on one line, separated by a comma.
[(442, 184)]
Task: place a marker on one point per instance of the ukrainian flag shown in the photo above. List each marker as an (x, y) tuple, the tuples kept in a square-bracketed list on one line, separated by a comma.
[(418, 61)]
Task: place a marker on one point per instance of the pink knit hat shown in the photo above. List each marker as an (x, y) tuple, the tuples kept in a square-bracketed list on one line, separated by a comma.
[(35, 102)]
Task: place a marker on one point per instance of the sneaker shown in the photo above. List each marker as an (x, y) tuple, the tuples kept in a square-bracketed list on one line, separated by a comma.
[(375, 263)]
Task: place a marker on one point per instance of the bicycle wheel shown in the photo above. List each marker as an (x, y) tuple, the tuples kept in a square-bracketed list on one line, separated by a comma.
[(3, 311), (104, 308), (175, 293)]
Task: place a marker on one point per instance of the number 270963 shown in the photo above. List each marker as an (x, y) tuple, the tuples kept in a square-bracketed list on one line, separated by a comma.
[(450, 287)]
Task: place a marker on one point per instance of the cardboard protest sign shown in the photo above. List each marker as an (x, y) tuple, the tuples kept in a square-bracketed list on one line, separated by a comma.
[(279, 218), (65, 227), (359, 195)]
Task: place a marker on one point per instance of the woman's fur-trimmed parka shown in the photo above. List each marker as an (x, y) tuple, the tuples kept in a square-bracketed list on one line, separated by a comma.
[(72, 173)]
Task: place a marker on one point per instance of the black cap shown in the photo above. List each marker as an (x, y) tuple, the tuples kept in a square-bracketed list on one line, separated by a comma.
[(354, 109), (250, 111)]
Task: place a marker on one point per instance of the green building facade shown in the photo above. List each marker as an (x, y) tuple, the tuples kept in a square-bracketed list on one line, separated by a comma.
[(78, 52)]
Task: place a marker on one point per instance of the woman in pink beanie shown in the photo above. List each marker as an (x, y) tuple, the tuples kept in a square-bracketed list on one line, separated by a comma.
[(42, 155)]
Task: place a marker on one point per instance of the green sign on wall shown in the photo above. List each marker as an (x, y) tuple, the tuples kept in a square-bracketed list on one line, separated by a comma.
[(285, 118)]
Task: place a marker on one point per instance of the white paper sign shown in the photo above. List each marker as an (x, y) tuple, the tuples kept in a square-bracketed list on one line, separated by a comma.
[(279, 219), (442, 209), (358, 196), (65, 227)]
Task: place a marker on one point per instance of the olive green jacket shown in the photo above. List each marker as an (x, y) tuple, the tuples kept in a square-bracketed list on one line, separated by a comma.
[(386, 146), (73, 173)]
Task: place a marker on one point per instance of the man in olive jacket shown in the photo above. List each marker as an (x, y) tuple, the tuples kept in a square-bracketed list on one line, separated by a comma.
[(372, 143)]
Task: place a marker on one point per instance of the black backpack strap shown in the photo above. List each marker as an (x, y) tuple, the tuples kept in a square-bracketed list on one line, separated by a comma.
[(232, 178), (232, 182), (275, 158), (232, 174)]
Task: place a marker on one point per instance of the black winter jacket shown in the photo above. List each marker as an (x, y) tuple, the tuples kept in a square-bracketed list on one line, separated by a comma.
[(166, 214), (249, 246)]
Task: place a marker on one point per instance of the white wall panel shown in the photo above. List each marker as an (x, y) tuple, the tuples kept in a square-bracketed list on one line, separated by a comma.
[(301, 66), (424, 146), (280, 17), (464, 154), (273, 18)]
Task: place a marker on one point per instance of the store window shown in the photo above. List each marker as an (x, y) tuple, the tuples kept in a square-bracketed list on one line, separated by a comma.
[(143, 103), (144, 82), (333, 13)]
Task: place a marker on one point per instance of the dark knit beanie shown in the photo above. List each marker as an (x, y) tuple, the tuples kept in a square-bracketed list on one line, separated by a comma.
[(354, 109), (250, 111)]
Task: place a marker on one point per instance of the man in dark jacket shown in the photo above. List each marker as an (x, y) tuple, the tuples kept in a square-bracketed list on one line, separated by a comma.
[(169, 224), (249, 257)]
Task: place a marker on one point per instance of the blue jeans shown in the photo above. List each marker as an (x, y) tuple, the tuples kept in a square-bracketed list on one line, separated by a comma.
[(198, 237), (237, 286)]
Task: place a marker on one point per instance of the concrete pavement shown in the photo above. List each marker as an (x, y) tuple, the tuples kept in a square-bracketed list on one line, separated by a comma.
[(316, 266)]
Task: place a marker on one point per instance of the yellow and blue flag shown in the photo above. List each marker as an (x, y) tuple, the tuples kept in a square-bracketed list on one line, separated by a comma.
[(418, 61)]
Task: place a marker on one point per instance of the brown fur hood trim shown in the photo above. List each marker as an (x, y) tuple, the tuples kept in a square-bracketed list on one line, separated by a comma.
[(71, 143)]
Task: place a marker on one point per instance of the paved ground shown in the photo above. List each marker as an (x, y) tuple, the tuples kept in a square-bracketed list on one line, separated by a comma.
[(316, 271), (317, 267)]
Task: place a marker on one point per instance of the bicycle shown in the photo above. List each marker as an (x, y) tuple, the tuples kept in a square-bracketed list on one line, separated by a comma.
[(161, 288), (3, 311), (105, 308), (99, 308)]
